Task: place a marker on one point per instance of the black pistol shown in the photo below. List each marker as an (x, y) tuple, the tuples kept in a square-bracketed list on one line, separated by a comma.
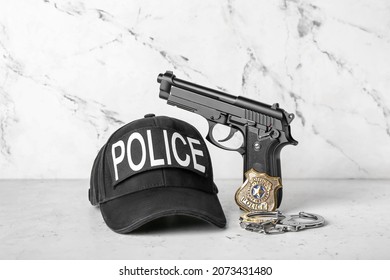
[(265, 128)]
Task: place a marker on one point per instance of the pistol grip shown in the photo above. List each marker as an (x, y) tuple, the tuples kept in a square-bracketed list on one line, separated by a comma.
[(263, 155)]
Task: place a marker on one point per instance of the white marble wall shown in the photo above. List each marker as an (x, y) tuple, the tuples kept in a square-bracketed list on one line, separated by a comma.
[(72, 72)]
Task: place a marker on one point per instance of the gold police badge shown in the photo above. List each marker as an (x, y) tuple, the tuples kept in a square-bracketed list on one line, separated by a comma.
[(258, 192)]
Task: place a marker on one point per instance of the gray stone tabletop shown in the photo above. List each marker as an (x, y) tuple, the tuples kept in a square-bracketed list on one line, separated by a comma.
[(52, 219)]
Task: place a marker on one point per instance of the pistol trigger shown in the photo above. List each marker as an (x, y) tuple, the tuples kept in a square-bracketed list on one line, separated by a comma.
[(231, 133), (211, 139)]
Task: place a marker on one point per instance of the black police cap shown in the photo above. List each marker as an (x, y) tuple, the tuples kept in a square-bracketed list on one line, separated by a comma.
[(151, 168)]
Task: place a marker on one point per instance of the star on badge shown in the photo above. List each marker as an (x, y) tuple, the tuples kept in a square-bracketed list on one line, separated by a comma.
[(258, 192)]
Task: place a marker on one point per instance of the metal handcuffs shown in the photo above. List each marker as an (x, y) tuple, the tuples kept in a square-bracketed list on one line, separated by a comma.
[(276, 222)]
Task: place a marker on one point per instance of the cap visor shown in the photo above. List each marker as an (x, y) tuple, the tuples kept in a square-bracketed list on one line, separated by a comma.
[(129, 212)]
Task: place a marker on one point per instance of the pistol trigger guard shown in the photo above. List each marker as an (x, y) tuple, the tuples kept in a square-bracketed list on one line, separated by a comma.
[(212, 140), (230, 136)]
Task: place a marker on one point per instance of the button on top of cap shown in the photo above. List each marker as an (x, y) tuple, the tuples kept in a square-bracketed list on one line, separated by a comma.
[(149, 115)]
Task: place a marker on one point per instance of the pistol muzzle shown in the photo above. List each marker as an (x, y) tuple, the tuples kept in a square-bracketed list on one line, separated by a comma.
[(166, 81), (159, 78), (164, 87)]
